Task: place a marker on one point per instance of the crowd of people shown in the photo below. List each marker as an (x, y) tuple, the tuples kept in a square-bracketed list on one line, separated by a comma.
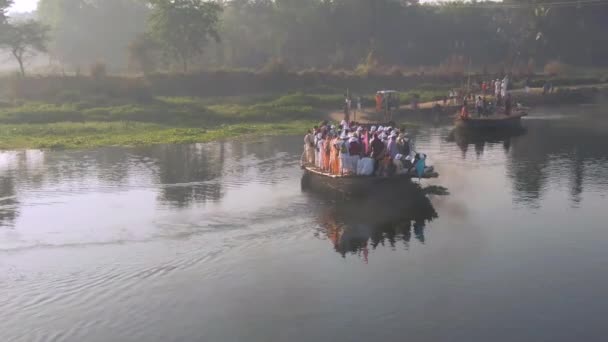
[(351, 148), (502, 98)]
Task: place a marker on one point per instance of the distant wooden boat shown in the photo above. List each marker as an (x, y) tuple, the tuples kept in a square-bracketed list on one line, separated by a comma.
[(355, 185), (492, 122)]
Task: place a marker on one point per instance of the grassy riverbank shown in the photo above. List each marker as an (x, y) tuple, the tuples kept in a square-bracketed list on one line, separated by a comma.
[(105, 122), (72, 135), (91, 121), (90, 113)]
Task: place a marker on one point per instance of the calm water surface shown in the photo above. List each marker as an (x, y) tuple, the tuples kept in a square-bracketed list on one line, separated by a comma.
[(218, 242)]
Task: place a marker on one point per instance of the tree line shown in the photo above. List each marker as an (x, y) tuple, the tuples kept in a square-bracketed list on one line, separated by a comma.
[(191, 34)]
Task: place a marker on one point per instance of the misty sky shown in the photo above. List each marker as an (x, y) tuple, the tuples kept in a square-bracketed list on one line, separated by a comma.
[(24, 5), (30, 5)]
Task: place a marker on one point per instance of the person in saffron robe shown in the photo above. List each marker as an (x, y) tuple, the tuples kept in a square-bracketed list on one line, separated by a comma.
[(334, 159)]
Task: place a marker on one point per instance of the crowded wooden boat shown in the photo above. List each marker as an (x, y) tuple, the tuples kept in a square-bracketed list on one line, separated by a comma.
[(355, 158), (484, 114)]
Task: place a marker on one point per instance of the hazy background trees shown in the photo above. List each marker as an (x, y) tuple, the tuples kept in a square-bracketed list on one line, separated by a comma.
[(22, 38), (145, 36), (183, 27), (90, 31)]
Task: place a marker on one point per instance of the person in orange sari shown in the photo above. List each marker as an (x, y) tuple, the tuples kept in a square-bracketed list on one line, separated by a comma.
[(334, 160)]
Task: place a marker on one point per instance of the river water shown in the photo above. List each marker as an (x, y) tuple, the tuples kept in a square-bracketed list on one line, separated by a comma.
[(218, 242)]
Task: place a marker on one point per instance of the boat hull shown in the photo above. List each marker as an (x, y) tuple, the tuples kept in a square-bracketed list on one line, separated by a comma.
[(497, 122), (357, 185)]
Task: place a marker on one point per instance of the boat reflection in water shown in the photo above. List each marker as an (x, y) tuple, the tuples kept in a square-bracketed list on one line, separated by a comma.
[(479, 138), (388, 218)]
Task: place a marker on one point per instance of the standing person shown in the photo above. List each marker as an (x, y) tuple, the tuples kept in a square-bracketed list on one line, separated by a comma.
[(527, 85), (343, 153), (508, 104), (464, 111), (327, 153), (309, 148), (334, 159), (318, 149), (346, 109), (403, 143), (484, 88), (378, 102), (358, 107), (503, 87), (497, 85), (392, 148), (378, 151), (479, 106), (355, 150), (545, 88), (349, 103)]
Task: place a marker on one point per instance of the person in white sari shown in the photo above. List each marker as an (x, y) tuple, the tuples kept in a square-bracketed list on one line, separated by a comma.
[(309, 148), (342, 146), (319, 151)]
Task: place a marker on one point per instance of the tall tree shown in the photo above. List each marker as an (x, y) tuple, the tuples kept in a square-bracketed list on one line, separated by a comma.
[(184, 27), (4, 5), (24, 40)]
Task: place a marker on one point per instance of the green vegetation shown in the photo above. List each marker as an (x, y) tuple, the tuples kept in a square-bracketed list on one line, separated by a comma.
[(69, 135), (162, 120)]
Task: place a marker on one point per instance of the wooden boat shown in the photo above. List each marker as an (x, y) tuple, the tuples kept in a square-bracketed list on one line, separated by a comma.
[(351, 184), (496, 121), (356, 185)]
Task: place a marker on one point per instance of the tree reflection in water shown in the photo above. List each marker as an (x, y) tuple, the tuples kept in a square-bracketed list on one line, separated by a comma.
[(354, 226)]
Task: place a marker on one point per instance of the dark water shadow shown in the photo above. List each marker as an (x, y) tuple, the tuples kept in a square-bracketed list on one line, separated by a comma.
[(354, 226), (480, 138)]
